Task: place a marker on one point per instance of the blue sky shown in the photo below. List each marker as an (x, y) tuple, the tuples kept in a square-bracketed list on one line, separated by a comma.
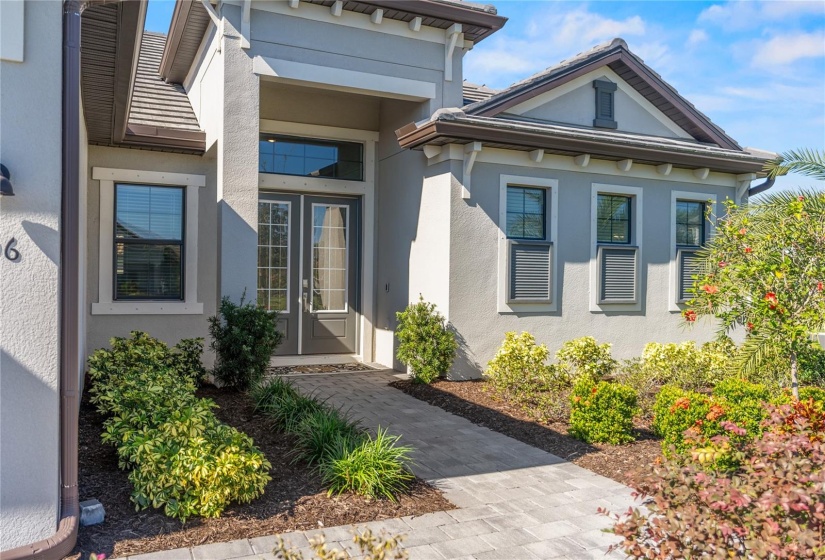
[(756, 68)]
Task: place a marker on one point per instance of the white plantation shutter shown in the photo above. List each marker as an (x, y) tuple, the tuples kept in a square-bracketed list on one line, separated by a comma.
[(530, 272), (618, 274)]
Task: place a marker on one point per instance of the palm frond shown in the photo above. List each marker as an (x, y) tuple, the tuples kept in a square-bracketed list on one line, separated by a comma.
[(754, 352), (804, 161)]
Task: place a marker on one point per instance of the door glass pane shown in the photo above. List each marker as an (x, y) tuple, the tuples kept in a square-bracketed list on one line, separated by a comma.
[(273, 255), (329, 258)]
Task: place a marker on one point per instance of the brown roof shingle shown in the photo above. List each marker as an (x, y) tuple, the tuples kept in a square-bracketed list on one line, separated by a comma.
[(154, 101)]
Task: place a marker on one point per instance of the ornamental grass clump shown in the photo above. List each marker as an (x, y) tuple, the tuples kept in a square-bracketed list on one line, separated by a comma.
[(770, 505), (347, 457), (602, 412), (425, 344), (179, 455)]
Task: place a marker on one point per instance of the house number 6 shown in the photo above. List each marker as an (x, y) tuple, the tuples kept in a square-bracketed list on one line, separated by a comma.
[(10, 252)]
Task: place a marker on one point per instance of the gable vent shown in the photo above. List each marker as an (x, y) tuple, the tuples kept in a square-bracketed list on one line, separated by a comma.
[(618, 274), (605, 104), (530, 272), (690, 265)]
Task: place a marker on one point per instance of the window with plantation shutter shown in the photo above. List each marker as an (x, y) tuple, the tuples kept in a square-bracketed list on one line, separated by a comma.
[(618, 274), (605, 104), (530, 272), (689, 266)]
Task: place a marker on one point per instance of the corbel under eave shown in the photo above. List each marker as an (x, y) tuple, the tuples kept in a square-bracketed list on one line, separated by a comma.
[(471, 152), (452, 34)]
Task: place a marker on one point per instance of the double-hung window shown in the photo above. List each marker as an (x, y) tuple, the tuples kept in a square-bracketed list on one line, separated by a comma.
[(148, 242), (690, 236), (527, 237), (616, 245)]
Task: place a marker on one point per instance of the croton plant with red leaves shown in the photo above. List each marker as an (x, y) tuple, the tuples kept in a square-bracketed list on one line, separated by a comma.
[(763, 271)]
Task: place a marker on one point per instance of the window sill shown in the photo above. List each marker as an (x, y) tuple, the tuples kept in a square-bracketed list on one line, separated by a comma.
[(147, 308)]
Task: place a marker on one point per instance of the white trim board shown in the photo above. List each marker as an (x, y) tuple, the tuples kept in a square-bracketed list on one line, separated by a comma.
[(320, 185), (710, 228), (105, 304), (12, 30), (586, 80), (501, 156), (338, 79), (352, 19), (636, 233), (552, 185)]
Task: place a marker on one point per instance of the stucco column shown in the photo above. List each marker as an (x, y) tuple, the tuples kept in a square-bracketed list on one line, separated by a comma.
[(238, 167)]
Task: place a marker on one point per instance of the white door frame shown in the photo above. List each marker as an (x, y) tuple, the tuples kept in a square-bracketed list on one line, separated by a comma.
[(333, 187)]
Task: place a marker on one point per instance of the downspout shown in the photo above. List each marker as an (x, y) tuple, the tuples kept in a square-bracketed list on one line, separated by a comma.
[(62, 542), (761, 187)]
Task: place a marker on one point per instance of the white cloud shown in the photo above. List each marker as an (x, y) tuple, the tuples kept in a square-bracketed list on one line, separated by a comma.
[(696, 37), (785, 49), (745, 13), (550, 37)]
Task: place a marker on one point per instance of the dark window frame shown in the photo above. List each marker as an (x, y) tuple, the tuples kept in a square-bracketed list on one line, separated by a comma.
[(306, 140), (605, 104), (630, 228), (702, 224), (543, 214), (140, 241)]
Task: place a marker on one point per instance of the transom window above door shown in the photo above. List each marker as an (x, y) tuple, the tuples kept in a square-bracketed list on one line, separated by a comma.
[(526, 213), (613, 219), (309, 157)]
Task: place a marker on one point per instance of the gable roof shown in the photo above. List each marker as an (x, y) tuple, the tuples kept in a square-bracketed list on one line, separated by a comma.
[(454, 126), (617, 56), (160, 109)]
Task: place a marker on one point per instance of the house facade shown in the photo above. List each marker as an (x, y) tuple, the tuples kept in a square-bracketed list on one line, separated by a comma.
[(328, 160)]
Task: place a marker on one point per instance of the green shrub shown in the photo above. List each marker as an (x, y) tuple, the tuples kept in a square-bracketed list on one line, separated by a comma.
[(425, 344), (374, 467), (817, 394), (244, 337), (602, 412), (675, 411), (643, 380), (372, 547), (584, 356), (519, 372), (744, 403), (687, 366), (180, 456)]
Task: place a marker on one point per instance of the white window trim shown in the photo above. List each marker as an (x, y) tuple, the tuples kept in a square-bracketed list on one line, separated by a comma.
[(105, 304), (635, 241), (551, 185), (324, 186), (673, 300)]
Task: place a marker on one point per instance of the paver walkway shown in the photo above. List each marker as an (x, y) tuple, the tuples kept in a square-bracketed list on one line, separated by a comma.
[(515, 501)]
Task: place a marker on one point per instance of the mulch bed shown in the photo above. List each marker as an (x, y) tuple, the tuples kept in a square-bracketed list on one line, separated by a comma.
[(469, 400), (293, 500), (318, 368)]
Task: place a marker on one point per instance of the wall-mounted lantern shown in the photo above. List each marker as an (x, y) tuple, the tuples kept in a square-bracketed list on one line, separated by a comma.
[(5, 181)]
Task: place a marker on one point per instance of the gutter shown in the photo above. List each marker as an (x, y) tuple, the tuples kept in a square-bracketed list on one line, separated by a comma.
[(761, 187), (458, 129), (62, 542)]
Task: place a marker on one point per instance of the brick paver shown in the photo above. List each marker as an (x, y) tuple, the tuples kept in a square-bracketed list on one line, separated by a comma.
[(515, 501)]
